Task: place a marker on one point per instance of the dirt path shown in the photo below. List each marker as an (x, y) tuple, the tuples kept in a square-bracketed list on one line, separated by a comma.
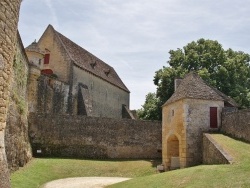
[(84, 182)]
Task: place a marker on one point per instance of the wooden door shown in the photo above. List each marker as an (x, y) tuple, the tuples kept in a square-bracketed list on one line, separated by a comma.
[(213, 117)]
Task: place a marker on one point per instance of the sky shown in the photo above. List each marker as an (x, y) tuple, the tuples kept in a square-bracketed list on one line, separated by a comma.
[(135, 36)]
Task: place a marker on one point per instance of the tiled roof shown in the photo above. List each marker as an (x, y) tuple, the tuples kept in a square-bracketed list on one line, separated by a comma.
[(90, 63), (33, 47), (226, 98), (193, 87)]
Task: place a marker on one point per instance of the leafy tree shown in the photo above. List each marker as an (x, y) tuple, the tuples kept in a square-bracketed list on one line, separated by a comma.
[(227, 70), (150, 108)]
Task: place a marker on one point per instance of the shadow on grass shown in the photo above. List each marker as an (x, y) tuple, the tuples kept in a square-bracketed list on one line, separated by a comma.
[(154, 162)]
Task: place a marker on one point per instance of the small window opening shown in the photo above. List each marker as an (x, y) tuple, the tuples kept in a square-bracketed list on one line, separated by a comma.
[(93, 64), (107, 72)]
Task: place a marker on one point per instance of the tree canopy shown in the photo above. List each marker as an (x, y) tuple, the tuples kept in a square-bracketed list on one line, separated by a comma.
[(227, 70)]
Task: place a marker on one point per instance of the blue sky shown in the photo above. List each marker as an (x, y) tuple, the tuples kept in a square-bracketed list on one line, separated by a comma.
[(135, 36)]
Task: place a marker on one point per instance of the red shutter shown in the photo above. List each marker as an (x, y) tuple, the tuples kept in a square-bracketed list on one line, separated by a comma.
[(46, 58), (213, 117)]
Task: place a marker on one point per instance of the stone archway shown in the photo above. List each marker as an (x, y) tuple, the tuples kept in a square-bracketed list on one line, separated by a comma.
[(173, 154)]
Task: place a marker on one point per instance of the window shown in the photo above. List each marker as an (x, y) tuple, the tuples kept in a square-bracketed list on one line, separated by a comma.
[(213, 117), (46, 58), (172, 112)]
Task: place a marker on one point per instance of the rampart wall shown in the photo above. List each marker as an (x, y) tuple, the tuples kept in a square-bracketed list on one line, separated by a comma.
[(17, 144), (90, 137), (236, 124), (213, 153), (9, 13)]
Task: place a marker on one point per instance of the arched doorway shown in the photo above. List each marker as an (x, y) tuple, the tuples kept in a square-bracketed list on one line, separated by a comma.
[(173, 152)]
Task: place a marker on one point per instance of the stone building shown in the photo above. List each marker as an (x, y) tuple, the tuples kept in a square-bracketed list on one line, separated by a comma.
[(73, 80), (194, 108)]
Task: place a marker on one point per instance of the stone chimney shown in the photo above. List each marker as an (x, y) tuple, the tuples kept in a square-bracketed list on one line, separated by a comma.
[(177, 82)]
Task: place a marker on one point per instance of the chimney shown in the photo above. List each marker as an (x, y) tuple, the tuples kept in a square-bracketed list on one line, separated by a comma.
[(177, 82)]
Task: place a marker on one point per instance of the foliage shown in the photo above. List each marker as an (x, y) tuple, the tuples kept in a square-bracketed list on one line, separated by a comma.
[(227, 176), (39, 171), (150, 108), (227, 70), (20, 83), (20, 102)]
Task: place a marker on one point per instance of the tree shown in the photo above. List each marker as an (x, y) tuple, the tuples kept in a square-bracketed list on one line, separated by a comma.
[(227, 70), (150, 108)]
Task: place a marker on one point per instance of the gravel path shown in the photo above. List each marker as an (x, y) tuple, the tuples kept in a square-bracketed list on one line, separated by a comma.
[(84, 182)]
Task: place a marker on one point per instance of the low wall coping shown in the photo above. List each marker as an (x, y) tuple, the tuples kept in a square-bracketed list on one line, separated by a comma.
[(227, 156)]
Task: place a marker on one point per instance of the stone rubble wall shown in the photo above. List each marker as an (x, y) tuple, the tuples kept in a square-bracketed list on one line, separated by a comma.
[(213, 153), (17, 146), (9, 14), (91, 137), (236, 124), (52, 95)]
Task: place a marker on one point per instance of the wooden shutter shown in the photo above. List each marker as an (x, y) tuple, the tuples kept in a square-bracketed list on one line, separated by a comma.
[(46, 58), (213, 117)]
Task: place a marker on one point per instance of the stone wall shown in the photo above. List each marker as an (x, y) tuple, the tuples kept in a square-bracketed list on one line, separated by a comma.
[(172, 127), (16, 132), (184, 121), (197, 120), (9, 14), (213, 153), (52, 95), (105, 99), (89, 137), (236, 124)]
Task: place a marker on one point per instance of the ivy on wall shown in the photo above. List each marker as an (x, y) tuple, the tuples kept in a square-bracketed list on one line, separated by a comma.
[(20, 75)]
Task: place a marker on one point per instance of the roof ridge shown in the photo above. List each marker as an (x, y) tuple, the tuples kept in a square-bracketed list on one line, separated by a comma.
[(83, 58), (193, 86), (89, 53)]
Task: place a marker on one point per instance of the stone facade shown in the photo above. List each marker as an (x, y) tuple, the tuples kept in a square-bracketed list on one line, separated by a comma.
[(105, 99), (59, 61), (213, 153), (9, 14), (194, 108), (236, 124), (94, 88), (184, 122), (16, 132), (90, 137), (52, 95)]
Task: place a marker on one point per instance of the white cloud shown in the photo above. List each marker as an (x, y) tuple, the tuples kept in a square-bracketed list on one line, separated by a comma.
[(134, 36)]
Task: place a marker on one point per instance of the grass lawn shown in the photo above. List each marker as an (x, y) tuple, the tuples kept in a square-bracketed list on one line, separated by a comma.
[(40, 171), (235, 175)]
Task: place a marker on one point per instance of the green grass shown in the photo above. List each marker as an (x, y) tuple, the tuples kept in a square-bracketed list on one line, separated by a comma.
[(235, 175), (40, 171)]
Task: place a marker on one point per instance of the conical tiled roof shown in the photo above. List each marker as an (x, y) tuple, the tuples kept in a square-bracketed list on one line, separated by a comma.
[(33, 47), (193, 87)]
